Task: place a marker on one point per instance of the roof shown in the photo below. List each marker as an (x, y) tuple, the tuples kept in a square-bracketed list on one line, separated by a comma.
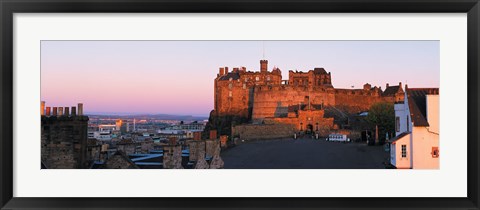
[(319, 71), (396, 138), (150, 156), (417, 103), (123, 156), (391, 90), (149, 164), (232, 75)]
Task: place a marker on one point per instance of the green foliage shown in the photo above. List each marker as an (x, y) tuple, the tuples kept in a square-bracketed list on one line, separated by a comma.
[(383, 115)]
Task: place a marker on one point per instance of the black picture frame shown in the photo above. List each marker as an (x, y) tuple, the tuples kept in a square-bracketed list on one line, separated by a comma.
[(9, 7)]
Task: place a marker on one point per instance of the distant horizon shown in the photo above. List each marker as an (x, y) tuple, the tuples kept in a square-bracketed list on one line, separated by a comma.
[(142, 113), (172, 77)]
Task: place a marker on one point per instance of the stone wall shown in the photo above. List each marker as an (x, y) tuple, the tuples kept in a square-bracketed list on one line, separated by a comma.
[(264, 131), (64, 142), (308, 120), (127, 148), (172, 157), (274, 101), (357, 100)]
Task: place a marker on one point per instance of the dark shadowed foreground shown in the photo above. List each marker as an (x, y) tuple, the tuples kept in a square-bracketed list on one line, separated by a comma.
[(304, 154)]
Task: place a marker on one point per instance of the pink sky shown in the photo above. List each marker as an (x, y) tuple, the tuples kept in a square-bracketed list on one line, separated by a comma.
[(176, 77)]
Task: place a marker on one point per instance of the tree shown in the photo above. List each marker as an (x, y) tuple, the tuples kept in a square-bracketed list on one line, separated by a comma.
[(383, 115)]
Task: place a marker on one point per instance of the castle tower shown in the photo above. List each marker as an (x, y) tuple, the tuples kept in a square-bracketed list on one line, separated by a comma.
[(263, 65)]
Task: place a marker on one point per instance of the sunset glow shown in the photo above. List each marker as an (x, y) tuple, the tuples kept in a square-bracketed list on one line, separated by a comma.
[(176, 77)]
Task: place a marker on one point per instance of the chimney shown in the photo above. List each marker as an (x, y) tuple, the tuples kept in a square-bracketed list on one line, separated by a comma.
[(60, 111), (400, 84), (74, 111), (42, 108), (67, 111), (221, 71), (213, 134), (226, 70), (387, 86), (54, 111), (263, 65), (48, 111), (80, 109)]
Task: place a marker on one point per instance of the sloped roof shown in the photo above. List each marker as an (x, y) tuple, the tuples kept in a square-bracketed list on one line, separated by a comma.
[(232, 75), (400, 136), (417, 102), (391, 90), (319, 71), (123, 157)]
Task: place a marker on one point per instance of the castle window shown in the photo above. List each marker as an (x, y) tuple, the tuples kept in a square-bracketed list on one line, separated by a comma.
[(230, 86), (257, 78), (246, 79), (230, 79), (244, 86), (268, 78), (229, 93)]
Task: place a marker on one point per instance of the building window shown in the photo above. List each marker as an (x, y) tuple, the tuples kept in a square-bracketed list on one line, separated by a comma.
[(435, 152), (268, 78), (230, 79), (244, 86), (229, 93), (257, 78), (397, 124), (230, 86), (404, 150), (408, 125)]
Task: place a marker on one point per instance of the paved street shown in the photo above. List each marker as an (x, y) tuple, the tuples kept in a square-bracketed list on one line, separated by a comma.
[(304, 154)]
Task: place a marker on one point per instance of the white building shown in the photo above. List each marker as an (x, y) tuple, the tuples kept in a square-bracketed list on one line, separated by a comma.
[(416, 144), (102, 135)]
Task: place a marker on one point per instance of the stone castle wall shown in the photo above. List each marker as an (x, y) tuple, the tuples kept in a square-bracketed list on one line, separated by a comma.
[(264, 131), (356, 100), (274, 101)]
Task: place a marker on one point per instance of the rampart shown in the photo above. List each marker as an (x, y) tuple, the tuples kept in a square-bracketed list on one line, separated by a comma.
[(264, 131)]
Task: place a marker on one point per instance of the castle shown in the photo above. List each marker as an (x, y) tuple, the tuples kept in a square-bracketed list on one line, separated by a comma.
[(304, 101)]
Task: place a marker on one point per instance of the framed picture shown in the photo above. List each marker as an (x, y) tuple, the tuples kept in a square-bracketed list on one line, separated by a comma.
[(298, 104)]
